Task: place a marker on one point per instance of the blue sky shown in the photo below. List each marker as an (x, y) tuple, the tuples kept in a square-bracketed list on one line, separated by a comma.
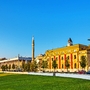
[(51, 22)]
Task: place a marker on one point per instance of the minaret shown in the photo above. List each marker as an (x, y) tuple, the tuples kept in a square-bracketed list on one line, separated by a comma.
[(33, 48)]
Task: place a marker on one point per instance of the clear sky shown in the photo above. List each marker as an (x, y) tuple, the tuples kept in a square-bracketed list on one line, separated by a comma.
[(51, 22)]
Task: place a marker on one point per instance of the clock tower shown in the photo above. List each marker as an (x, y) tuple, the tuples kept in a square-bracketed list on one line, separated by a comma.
[(70, 42)]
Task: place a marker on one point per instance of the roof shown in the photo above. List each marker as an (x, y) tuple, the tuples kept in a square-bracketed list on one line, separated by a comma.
[(17, 58), (25, 58), (78, 45)]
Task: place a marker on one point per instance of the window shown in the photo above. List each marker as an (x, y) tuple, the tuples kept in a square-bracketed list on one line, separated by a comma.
[(74, 56), (68, 57), (56, 58), (62, 65), (62, 58), (75, 65)]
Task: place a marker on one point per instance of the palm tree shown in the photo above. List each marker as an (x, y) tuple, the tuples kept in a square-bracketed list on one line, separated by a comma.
[(54, 65), (83, 62)]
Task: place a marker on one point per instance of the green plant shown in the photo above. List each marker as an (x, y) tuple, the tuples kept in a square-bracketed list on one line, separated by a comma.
[(33, 66), (54, 65), (67, 63), (6, 67), (13, 66), (3, 67), (9, 67), (83, 62), (23, 66), (44, 65)]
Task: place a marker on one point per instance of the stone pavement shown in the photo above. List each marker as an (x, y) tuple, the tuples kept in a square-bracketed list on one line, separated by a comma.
[(81, 76)]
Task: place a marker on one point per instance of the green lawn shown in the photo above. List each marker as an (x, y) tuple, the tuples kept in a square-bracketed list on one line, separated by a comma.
[(31, 82)]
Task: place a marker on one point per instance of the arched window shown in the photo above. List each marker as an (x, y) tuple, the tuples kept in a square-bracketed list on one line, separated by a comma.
[(62, 58), (74, 56), (75, 65), (62, 65), (68, 57), (56, 58)]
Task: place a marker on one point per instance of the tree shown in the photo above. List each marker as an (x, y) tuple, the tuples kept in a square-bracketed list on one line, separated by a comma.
[(39, 64), (9, 67), (3, 67), (28, 66), (44, 65), (23, 66), (6, 67), (83, 62), (67, 63), (54, 65), (13, 66), (33, 66)]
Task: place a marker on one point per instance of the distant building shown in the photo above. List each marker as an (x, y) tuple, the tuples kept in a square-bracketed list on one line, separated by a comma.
[(2, 59), (39, 60), (16, 61), (73, 52)]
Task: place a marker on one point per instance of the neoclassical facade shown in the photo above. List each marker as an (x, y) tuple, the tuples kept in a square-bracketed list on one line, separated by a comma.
[(73, 52)]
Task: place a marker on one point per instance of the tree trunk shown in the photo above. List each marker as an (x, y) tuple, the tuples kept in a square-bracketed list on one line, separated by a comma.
[(67, 70), (54, 73)]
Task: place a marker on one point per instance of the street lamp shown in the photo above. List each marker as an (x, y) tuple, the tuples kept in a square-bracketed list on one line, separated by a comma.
[(89, 39)]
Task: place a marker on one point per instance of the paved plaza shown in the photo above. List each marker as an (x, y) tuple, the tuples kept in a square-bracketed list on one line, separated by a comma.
[(82, 76)]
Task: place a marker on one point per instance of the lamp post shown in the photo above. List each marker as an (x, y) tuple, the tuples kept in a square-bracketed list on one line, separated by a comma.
[(89, 39)]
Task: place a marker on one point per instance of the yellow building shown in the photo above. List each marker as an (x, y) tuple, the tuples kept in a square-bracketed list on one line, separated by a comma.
[(73, 52)]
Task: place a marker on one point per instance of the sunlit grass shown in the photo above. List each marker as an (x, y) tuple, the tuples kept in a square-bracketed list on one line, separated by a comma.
[(33, 82), (4, 74)]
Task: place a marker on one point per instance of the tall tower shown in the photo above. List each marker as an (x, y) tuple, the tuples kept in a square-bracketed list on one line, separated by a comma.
[(33, 48)]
